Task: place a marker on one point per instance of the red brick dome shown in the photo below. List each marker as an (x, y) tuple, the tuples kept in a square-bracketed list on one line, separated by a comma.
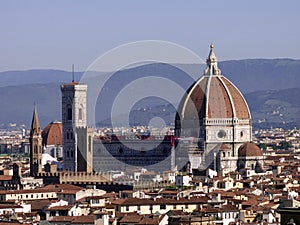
[(249, 150), (213, 96), (52, 134)]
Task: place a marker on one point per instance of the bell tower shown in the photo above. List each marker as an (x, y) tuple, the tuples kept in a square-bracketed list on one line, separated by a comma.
[(35, 141), (77, 137)]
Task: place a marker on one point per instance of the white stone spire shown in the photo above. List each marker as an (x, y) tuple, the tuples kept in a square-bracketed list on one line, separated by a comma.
[(212, 63)]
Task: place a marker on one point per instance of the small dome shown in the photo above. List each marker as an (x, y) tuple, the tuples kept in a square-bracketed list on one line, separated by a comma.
[(249, 149), (52, 134)]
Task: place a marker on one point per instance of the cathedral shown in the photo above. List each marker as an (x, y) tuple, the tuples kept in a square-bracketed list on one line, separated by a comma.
[(212, 130), (215, 116)]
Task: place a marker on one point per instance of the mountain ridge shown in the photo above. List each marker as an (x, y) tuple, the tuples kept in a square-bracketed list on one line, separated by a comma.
[(258, 79)]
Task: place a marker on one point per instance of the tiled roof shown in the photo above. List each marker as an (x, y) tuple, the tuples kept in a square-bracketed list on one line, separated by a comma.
[(150, 221), (131, 218), (74, 219), (52, 134), (59, 208), (83, 219), (249, 149), (5, 177), (62, 219), (224, 100), (160, 201), (9, 206), (38, 205)]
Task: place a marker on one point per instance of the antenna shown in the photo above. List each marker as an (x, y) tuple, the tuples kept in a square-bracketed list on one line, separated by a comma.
[(72, 72)]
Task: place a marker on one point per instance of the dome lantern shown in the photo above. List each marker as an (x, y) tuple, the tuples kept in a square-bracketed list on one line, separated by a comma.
[(212, 63)]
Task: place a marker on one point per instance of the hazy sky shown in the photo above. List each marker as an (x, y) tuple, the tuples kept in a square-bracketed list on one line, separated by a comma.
[(57, 33)]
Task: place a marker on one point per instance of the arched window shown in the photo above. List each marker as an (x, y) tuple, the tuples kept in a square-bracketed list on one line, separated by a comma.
[(69, 112), (68, 154)]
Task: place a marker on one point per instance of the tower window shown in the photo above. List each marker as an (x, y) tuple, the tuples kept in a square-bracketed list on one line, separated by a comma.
[(80, 114), (69, 113)]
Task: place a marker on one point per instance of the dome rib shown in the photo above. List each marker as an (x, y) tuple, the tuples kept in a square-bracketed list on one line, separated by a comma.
[(230, 98)]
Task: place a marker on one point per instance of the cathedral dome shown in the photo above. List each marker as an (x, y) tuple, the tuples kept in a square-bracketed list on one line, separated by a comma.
[(249, 150), (213, 96), (52, 134)]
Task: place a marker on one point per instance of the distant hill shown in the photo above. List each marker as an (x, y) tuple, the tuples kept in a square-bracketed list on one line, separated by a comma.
[(15, 78), (248, 74), (271, 87), (251, 75), (17, 103)]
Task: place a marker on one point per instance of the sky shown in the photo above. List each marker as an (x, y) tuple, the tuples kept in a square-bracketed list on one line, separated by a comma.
[(55, 34)]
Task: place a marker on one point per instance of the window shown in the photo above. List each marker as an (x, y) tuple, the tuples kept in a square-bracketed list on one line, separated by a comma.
[(69, 113), (163, 207), (80, 114), (138, 207), (242, 134), (127, 208)]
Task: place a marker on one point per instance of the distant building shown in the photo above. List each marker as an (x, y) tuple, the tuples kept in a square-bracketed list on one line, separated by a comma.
[(35, 141)]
